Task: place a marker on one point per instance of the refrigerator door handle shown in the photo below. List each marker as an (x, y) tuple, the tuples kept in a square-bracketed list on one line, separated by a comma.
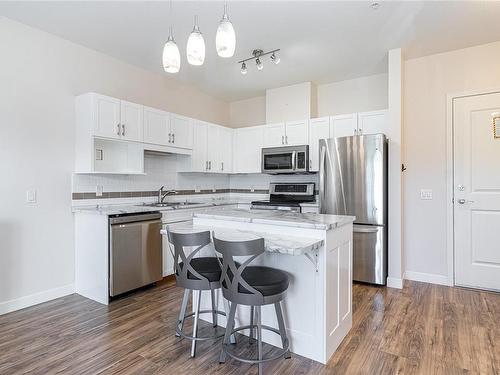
[(365, 228), (322, 177)]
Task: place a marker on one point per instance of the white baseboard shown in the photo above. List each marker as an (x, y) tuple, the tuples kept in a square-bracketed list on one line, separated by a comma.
[(430, 278), (35, 299), (396, 283)]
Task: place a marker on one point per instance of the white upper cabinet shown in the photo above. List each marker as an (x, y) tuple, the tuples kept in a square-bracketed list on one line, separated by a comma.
[(131, 120), (274, 135), (372, 122), (156, 128), (181, 131), (225, 150), (106, 116), (296, 133), (199, 161), (344, 125), (319, 128), (248, 143), (290, 133)]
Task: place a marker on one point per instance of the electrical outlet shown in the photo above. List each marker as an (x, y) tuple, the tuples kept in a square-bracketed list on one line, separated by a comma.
[(98, 191), (214, 189), (252, 189), (197, 189), (426, 194), (31, 196)]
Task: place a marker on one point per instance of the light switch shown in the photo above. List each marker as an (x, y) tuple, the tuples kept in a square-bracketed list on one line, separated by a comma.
[(426, 194), (31, 196), (98, 191)]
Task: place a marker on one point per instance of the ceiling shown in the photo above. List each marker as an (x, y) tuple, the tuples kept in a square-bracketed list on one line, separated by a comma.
[(320, 41)]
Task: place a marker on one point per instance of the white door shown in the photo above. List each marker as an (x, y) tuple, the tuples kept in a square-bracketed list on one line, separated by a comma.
[(225, 150), (247, 150), (107, 116), (372, 122), (156, 127), (297, 133), (199, 162), (477, 192), (213, 148), (319, 128), (274, 135), (181, 128), (131, 121), (344, 125)]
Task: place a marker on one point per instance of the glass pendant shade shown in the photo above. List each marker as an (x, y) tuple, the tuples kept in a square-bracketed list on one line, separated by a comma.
[(195, 49), (225, 39), (171, 56)]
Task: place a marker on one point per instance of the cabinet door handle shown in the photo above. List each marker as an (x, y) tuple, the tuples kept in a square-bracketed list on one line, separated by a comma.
[(206, 165), (173, 137), (118, 129), (169, 138), (210, 165), (286, 139), (282, 139), (123, 129), (222, 166)]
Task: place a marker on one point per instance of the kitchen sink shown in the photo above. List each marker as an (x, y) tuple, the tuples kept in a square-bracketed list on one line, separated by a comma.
[(170, 204)]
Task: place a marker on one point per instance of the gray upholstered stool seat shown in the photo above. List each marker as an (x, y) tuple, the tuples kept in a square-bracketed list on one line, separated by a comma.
[(206, 266), (268, 281)]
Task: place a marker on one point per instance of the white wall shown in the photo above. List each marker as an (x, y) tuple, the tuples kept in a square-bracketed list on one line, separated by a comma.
[(290, 103), (248, 112), (354, 95), (427, 82), (40, 75)]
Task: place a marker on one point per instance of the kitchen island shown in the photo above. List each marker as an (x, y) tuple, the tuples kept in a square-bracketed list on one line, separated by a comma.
[(316, 252)]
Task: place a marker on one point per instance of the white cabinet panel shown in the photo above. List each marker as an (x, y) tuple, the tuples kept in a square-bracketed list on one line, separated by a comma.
[(274, 135), (297, 133), (131, 121), (225, 150), (181, 129), (319, 128), (107, 116), (213, 148), (344, 125), (372, 122), (248, 143), (199, 162), (156, 126)]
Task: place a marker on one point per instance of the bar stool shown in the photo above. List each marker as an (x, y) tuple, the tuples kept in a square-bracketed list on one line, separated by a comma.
[(252, 286), (195, 274)]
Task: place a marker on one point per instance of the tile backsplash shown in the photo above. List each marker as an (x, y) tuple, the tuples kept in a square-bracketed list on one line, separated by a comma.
[(162, 170)]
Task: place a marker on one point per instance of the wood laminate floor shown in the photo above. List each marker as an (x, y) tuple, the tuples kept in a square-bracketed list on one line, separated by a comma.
[(422, 329)]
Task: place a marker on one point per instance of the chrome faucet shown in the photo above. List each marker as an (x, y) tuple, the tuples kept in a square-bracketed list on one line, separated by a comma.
[(163, 194)]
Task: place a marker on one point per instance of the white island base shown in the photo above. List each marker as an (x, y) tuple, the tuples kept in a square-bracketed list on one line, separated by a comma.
[(316, 252)]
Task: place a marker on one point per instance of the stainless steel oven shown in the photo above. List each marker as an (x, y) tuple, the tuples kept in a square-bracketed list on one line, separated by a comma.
[(288, 159)]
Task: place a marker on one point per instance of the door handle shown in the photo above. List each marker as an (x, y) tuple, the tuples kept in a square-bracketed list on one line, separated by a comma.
[(362, 229), (463, 201), (206, 165), (118, 129), (282, 139), (321, 177), (222, 166), (123, 129), (169, 137), (286, 139), (173, 137)]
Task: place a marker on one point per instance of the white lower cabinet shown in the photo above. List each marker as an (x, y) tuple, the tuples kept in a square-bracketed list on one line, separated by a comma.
[(247, 146)]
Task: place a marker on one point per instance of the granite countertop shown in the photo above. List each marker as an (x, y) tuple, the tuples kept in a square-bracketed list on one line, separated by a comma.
[(138, 208), (285, 218), (275, 243)]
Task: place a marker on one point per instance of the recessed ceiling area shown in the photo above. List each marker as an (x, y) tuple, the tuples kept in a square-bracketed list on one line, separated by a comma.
[(320, 41)]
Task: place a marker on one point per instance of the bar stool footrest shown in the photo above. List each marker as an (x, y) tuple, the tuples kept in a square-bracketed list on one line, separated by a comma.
[(180, 332)]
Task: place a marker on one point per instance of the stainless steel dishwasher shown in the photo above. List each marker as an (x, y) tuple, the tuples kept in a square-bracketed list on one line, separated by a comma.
[(135, 251)]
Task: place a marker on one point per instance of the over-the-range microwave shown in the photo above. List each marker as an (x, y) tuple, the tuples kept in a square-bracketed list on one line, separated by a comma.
[(287, 159)]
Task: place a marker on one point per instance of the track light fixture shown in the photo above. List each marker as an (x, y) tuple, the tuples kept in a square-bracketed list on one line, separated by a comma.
[(257, 56)]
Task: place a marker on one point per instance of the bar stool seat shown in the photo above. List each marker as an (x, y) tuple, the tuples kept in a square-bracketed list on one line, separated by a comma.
[(268, 281), (206, 266)]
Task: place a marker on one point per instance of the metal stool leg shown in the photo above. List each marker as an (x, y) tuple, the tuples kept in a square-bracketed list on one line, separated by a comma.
[(259, 332), (196, 301), (252, 313), (229, 328), (214, 309), (182, 313), (281, 325), (227, 309)]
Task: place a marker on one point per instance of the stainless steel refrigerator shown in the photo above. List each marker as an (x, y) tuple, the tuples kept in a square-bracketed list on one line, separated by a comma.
[(353, 181)]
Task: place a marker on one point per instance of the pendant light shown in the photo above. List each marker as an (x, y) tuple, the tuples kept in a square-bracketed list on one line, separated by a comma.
[(195, 49), (171, 56), (225, 39)]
